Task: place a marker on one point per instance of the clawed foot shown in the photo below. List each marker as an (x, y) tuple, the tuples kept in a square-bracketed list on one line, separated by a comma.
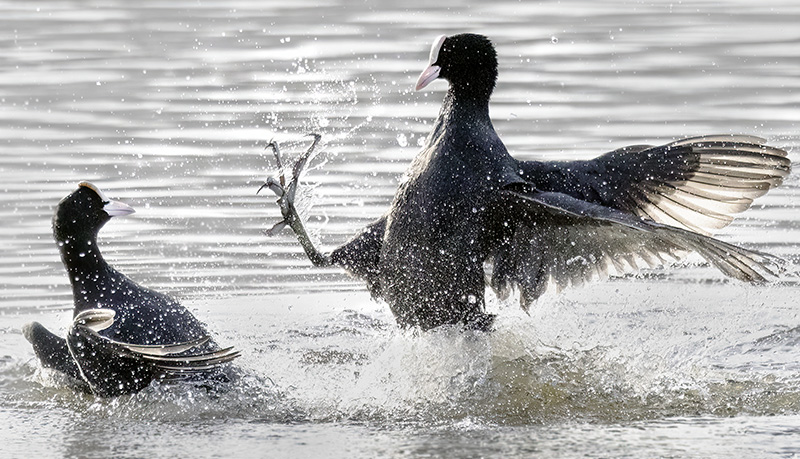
[(286, 191)]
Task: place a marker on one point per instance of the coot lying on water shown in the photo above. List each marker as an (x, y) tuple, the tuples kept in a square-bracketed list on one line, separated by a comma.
[(123, 335), (466, 203)]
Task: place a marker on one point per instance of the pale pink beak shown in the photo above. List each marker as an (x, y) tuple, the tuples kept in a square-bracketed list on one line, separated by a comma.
[(117, 209), (429, 74)]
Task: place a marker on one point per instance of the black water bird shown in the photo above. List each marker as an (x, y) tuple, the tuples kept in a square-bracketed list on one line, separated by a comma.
[(468, 214), (123, 335)]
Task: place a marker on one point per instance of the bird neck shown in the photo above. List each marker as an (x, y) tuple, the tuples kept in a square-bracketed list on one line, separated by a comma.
[(461, 117), (91, 277), (466, 106)]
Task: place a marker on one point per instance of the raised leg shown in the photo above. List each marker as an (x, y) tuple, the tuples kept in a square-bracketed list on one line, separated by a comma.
[(51, 350), (286, 194)]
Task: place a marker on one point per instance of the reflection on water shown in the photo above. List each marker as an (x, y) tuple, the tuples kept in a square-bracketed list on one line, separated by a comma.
[(169, 106)]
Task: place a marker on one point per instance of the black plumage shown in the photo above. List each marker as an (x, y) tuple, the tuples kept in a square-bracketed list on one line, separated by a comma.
[(123, 335), (467, 205)]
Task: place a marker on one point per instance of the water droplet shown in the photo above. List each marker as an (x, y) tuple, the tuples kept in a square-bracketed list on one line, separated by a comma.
[(554, 39), (402, 140)]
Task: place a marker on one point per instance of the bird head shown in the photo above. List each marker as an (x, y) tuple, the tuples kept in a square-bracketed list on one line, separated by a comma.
[(468, 61), (83, 212)]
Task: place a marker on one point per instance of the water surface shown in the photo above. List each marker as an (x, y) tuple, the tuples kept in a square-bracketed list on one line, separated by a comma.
[(168, 106)]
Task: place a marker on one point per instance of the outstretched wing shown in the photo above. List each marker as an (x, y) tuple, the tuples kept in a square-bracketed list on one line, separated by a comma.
[(174, 356), (549, 238), (697, 183)]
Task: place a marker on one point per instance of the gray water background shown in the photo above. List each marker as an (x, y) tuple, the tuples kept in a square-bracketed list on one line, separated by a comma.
[(168, 106)]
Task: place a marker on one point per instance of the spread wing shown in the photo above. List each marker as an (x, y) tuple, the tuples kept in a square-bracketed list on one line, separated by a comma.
[(173, 357), (697, 183), (548, 238)]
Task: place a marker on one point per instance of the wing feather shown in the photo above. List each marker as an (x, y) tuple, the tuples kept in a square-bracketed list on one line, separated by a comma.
[(165, 356), (554, 239), (697, 183)]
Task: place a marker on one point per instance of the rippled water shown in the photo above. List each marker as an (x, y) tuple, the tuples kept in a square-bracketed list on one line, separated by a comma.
[(168, 106)]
